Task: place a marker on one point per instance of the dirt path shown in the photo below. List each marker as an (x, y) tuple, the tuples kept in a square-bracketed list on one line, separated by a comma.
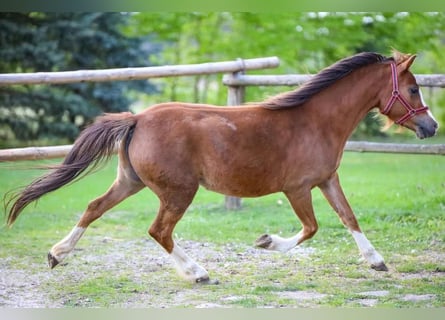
[(140, 274), (143, 261)]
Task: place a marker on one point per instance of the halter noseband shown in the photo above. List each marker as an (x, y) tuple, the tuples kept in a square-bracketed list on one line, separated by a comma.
[(397, 96)]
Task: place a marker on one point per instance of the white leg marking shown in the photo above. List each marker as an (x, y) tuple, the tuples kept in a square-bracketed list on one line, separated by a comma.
[(283, 244), (61, 249), (188, 268), (367, 250)]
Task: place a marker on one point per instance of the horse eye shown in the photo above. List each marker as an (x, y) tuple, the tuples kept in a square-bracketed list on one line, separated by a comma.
[(414, 90)]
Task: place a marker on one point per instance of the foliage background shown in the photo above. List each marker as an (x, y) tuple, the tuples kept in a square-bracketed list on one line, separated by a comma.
[(34, 42), (305, 42)]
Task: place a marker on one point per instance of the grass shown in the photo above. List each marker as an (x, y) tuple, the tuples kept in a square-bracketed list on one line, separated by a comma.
[(399, 201)]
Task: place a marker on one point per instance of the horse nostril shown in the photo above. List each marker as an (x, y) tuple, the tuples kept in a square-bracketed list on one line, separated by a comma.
[(426, 132)]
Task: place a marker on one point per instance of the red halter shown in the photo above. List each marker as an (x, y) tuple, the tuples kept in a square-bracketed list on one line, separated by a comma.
[(397, 96)]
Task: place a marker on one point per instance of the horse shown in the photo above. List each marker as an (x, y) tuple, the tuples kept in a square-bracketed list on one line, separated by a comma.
[(289, 143)]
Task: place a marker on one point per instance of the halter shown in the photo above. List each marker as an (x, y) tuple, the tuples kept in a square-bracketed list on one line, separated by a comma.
[(397, 96)]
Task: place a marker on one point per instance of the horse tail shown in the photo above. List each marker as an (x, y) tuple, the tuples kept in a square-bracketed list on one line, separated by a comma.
[(93, 147)]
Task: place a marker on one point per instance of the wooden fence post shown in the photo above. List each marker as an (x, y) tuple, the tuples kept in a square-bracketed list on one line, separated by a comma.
[(235, 97)]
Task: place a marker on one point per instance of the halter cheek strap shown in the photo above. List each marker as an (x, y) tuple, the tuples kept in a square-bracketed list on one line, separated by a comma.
[(411, 112)]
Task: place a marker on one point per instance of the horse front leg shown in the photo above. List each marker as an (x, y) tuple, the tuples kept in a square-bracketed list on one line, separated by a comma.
[(334, 194), (302, 204)]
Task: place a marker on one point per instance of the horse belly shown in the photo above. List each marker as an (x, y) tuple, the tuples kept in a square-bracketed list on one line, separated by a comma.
[(239, 180), (239, 164)]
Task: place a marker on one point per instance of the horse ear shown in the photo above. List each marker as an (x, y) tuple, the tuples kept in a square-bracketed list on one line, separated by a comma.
[(398, 56), (403, 60), (408, 62)]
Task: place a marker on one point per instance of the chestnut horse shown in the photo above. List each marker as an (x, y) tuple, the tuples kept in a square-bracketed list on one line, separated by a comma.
[(289, 143)]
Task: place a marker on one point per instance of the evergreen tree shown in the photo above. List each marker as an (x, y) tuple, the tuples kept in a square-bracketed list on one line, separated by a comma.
[(34, 42)]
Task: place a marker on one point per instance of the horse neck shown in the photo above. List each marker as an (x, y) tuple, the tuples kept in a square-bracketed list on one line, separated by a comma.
[(350, 99)]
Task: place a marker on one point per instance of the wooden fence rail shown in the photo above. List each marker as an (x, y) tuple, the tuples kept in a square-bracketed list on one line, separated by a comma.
[(238, 79), (365, 146), (138, 73), (34, 153), (39, 153)]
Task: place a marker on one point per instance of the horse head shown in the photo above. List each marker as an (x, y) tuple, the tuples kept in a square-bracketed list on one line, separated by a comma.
[(405, 105)]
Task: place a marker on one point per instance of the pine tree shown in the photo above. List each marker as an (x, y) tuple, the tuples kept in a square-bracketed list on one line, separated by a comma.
[(34, 42)]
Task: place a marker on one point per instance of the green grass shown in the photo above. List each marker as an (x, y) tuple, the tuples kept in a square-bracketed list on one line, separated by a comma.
[(399, 201)]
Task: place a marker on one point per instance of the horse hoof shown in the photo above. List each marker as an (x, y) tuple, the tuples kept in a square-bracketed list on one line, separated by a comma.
[(380, 267), (206, 280), (52, 261), (264, 241)]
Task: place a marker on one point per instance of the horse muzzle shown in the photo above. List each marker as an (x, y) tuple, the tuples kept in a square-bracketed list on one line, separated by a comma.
[(426, 127)]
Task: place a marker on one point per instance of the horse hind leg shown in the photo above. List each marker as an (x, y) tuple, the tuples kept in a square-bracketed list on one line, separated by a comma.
[(124, 186)]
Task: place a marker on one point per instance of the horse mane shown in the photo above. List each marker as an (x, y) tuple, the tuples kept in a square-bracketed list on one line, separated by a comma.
[(322, 80)]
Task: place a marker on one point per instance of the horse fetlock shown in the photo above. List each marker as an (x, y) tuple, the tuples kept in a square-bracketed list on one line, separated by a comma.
[(61, 249), (190, 270), (56, 255), (375, 260), (277, 243), (194, 273)]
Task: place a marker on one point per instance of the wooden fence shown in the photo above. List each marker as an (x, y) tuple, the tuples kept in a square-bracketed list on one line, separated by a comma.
[(34, 153), (234, 79)]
